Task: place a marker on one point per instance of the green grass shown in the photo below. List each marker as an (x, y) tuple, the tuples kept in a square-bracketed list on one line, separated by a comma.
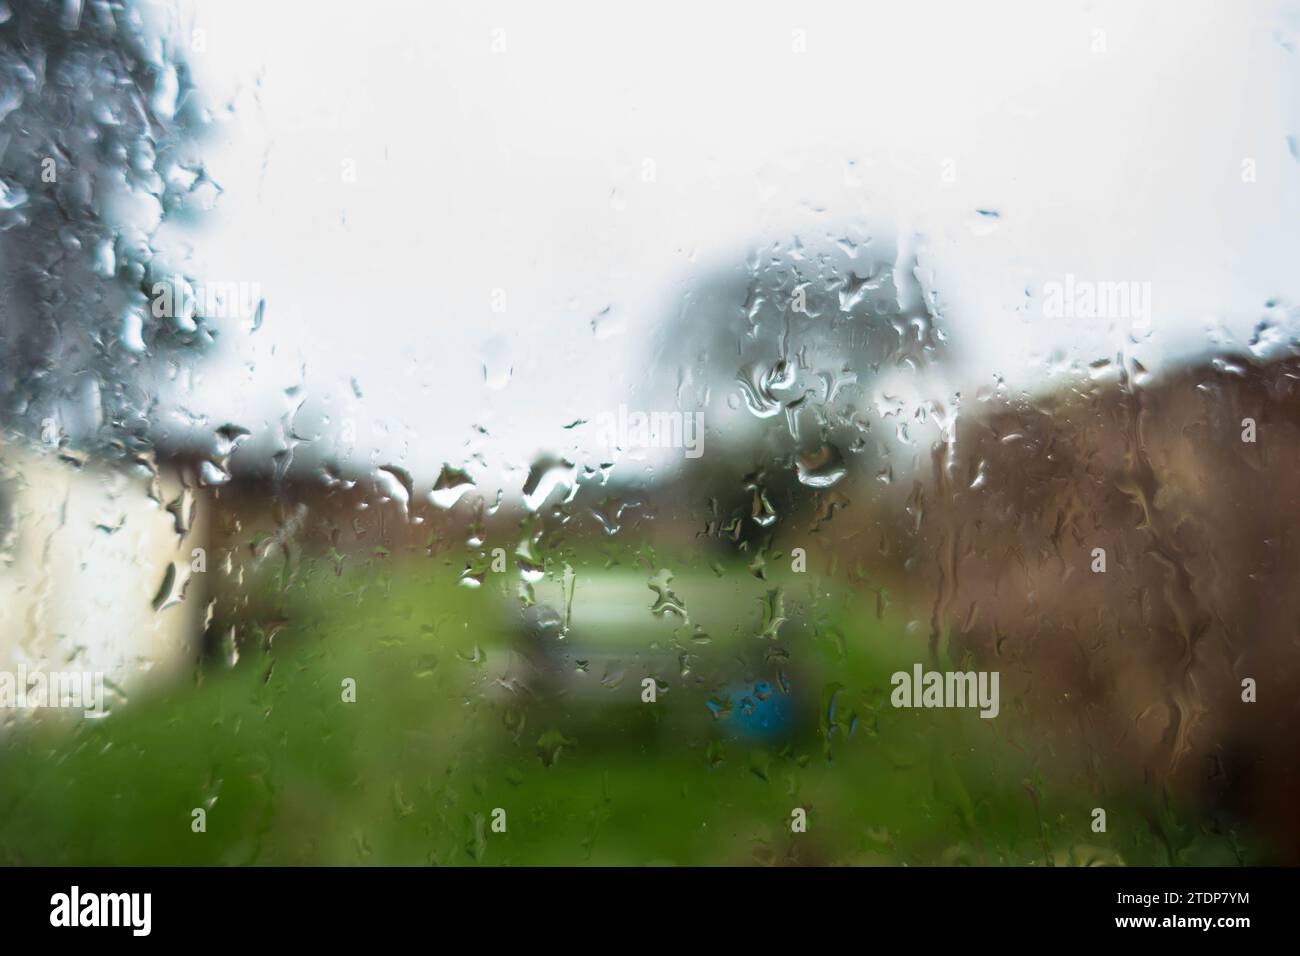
[(586, 773)]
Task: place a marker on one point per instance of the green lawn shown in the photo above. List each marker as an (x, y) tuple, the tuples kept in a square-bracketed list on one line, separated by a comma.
[(450, 723)]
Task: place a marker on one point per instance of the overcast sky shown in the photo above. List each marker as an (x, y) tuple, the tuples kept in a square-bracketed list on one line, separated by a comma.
[(1109, 138)]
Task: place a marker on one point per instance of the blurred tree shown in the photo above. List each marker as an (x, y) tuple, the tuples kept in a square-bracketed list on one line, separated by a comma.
[(98, 129), (784, 351)]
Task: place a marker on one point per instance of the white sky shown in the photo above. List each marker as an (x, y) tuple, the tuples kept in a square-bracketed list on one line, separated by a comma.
[(521, 171)]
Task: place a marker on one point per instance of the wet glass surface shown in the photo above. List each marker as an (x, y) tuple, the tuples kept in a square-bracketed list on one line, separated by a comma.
[(737, 435)]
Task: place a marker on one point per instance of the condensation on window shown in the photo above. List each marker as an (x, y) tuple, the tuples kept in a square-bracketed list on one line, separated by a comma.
[(458, 436)]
